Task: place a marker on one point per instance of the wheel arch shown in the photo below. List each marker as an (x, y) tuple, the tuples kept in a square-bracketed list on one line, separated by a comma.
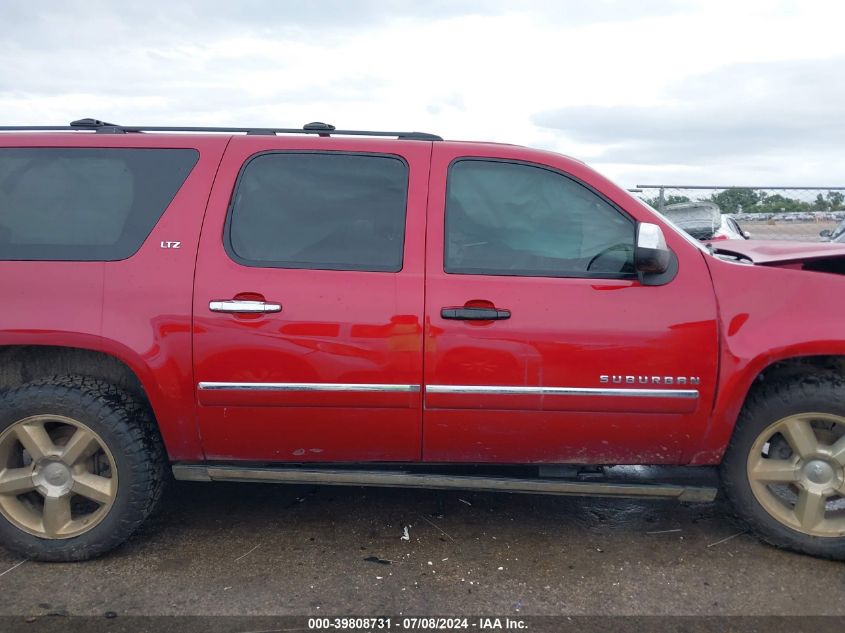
[(20, 364), (735, 390), (24, 363)]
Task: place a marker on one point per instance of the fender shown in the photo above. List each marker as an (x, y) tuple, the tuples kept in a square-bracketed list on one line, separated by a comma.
[(138, 309), (175, 417), (767, 314), (171, 397)]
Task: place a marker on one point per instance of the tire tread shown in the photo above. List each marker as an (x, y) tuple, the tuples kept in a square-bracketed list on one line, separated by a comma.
[(787, 396), (141, 448)]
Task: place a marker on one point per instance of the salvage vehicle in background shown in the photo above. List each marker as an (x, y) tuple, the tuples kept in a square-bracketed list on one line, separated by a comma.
[(704, 221), (390, 309), (836, 235), (730, 230)]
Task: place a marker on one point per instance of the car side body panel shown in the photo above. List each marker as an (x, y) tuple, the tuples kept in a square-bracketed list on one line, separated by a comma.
[(137, 310), (335, 375), (720, 322), (767, 314), (542, 398)]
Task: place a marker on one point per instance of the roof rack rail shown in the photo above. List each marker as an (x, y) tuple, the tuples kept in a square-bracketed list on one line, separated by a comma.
[(320, 129)]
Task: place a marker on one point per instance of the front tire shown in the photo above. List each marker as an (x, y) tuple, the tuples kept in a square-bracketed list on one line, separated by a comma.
[(81, 467), (784, 469)]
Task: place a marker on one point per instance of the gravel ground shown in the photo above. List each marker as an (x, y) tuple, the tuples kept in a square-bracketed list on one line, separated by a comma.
[(797, 231), (257, 549)]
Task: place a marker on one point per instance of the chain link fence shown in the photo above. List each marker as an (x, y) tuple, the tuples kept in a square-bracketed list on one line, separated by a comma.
[(769, 213)]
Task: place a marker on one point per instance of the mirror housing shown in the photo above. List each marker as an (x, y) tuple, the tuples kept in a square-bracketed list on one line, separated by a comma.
[(825, 233), (652, 256)]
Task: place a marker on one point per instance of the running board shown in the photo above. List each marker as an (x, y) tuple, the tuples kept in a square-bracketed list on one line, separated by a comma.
[(399, 479)]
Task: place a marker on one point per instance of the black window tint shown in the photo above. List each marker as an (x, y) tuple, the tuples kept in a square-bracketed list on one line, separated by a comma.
[(320, 211), (83, 204), (515, 219)]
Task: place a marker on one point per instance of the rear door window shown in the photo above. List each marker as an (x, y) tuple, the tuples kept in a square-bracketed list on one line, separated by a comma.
[(319, 211), (85, 204)]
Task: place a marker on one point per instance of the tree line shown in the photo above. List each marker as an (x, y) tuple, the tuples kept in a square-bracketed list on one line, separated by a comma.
[(743, 200)]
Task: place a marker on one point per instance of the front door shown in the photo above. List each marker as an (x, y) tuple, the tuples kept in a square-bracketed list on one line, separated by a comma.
[(308, 300), (541, 345)]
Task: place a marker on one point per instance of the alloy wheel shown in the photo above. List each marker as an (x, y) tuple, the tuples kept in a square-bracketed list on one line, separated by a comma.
[(58, 478), (796, 469)]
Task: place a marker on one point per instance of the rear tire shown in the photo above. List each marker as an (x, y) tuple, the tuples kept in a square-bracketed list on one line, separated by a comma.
[(784, 468), (81, 467)]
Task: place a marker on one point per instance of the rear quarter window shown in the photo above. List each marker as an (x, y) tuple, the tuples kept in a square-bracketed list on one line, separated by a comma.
[(85, 204)]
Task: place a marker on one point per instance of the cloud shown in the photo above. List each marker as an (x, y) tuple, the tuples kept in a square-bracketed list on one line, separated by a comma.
[(158, 20), (644, 90), (745, 111)]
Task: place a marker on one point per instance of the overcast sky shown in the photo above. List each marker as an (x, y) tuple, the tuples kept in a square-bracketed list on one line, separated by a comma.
[(672, 91)]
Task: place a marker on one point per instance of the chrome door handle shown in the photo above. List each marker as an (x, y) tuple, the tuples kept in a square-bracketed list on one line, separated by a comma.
[(241, 306)]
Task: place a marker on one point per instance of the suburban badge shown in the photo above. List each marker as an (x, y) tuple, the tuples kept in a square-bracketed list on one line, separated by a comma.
[(649, 380)]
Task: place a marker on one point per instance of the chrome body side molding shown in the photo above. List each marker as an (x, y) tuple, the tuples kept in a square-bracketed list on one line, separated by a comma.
[(564, 391), (307, 386), (450, 389)]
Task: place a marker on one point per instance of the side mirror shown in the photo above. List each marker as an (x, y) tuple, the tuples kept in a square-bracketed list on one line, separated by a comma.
[(652, 255), (746, 235), (825, 233)]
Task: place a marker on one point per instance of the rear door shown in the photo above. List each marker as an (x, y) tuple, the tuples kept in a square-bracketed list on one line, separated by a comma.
[(308, 301), (541, 344)]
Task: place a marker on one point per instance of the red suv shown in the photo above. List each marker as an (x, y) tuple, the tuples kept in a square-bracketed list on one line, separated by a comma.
[(391, 309)]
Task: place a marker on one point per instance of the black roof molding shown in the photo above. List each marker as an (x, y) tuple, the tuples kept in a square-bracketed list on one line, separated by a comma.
[(318, 128)]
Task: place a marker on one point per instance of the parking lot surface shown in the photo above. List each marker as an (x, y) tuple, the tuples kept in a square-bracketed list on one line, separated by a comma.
[(258, 549), (795, 231)]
